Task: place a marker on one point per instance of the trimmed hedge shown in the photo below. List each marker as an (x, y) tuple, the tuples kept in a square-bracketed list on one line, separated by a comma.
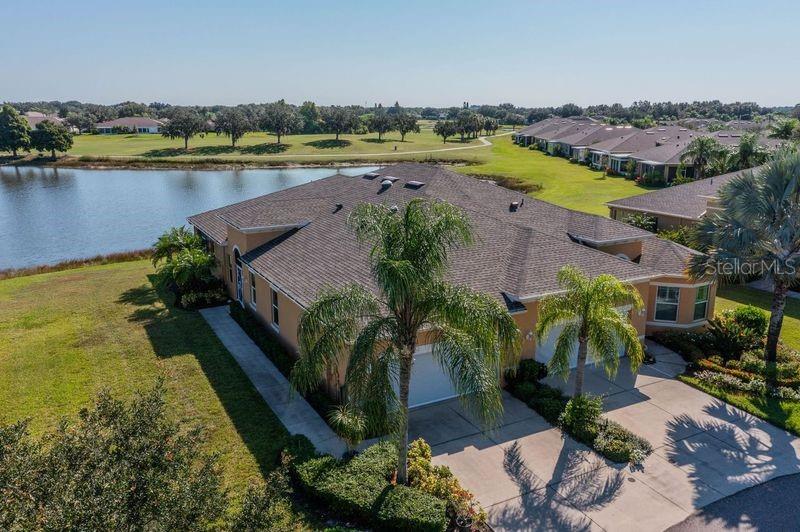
[(358, 488)]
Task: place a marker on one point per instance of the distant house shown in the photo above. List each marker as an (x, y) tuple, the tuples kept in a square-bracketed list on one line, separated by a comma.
[(34, 117), (132, 124), (673, 206)]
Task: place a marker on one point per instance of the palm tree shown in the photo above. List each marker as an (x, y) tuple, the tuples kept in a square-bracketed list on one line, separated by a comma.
[(589, 316), (700, 153), (783, 128), (756, 230), (173, 241), (750, 152), (723, 163), (472, 334)]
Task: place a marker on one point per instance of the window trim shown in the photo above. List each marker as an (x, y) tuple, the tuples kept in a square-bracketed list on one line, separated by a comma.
[(704, 302), (253, 295), (677, 304), (275, 315)]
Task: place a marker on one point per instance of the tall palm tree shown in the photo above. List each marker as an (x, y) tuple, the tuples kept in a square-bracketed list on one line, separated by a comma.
[(723, 162), (173, 241), (783, 128), (473, 336), (750, 152), (587, 310), (756, 230), (700, 153)]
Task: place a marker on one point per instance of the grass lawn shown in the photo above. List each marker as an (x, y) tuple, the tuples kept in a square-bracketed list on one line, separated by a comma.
[(785, 414), (563, 183), (66, 335), (255, 146)]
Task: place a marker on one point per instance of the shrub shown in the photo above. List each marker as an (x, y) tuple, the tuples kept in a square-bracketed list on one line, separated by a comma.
[(730, 338), (359, 488), (686, 344), (531, 371), (752, 318), (683, 235), (581, 415), (524, 391), (642, 221), (549, 408), (202, 299)]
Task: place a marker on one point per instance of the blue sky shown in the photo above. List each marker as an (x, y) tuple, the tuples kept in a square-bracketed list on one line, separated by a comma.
[(532, 53)]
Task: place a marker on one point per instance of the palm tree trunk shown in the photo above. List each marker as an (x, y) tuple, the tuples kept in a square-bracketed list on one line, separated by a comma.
[(407, 359), (580, 368), (775, 324)]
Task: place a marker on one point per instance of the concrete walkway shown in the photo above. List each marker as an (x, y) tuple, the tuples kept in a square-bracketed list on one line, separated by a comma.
[(530, 477), (293, 411)]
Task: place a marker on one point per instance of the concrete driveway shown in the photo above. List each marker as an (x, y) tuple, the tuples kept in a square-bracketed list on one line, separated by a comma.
[(530, 477)]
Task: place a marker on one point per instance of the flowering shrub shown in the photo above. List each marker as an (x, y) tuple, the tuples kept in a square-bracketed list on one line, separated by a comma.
[(755, 386)]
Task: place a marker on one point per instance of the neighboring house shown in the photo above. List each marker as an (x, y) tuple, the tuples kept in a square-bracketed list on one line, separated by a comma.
[(34, 117), (616, 152), (535, 133), (673, 206), (576, 146), (276, 252), (132, 124)]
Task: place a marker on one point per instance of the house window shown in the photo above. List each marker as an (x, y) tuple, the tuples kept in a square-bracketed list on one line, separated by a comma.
[(275, 316), (230, 267), (252, 289), (667, 303), (701, 303)]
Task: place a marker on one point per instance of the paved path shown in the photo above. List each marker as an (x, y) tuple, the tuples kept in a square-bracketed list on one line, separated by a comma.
[(530, 477), (293, 411), (769, 506)]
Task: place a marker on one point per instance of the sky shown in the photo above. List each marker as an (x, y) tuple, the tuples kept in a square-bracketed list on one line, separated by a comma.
[(420, 53)]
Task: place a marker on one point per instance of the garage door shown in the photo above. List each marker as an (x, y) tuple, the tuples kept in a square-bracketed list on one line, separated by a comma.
[(545, 349), (429, 382)]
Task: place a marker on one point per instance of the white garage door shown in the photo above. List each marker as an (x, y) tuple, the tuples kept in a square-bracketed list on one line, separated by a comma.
[(429, 382), (544, 350)]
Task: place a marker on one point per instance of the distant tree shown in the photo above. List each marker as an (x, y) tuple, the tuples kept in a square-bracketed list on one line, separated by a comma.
[(233, 122), (405, 123), (15, 133), (795, 112), (119, 466), (430, 113), (52, 137), (311, 117), (645, 122), (514, 119), (569, 109), (490, 125), (380, 122), (468, 123), (701, 153), (339, 120), (80, 121), (749, 153), (541, 113), (184, 123), (395, 109), (126, 109), (783, 129), (445, 129), (280, 119)]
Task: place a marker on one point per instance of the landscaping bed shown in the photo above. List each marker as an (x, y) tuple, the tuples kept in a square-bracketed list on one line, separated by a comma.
[(580, 417)]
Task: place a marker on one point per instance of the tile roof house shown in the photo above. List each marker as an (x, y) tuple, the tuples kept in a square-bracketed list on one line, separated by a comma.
[(674, 206), (134, 124), (276, 252)]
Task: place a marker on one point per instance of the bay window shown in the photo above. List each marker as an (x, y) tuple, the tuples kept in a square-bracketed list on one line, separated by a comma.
[(667, 303), (701, 303)]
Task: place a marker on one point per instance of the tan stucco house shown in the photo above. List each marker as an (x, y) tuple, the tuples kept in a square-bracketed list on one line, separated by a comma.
[(276, 252)]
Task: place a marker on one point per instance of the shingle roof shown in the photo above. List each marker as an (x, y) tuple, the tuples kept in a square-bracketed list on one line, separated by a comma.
[(593, 135), (683, 201), (131, 121), (517, 253), (665, 256)]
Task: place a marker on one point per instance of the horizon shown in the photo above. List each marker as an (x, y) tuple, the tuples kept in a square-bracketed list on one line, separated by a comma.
[(530, 54)]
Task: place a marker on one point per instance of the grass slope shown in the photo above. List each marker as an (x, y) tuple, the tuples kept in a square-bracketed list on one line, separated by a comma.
[(66, 335), (563, 183), (731, 297)]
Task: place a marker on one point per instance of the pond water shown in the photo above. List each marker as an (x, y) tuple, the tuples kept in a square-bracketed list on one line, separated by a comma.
[(49, 214)]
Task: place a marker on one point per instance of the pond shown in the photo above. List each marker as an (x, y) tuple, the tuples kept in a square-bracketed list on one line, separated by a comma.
[(49, 214)]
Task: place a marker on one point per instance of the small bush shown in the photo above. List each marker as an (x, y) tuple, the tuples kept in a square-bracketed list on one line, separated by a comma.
[(524, 391), (408, 510), (209, 298), (531, 371), (686, 344), (581, 415), (729, 338), (752, 318), (549, 408)]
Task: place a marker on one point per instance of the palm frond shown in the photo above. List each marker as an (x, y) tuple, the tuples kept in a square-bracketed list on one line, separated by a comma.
[(565, 349)]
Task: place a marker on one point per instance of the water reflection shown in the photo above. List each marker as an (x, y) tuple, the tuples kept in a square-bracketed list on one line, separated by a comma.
[(52, 214)]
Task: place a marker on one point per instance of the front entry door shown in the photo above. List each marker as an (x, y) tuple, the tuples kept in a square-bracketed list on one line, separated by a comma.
[(239, 297)]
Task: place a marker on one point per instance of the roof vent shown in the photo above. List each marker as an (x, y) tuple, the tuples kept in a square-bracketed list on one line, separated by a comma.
[(394, 208), (390, 178), (371, 175), (386, 183), (338, 207), (415, 184), (514, 207)]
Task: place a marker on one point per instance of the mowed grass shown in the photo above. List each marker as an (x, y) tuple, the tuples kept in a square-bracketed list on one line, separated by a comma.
[(564, 183), (66, 335), (785, 414), (254, 146)]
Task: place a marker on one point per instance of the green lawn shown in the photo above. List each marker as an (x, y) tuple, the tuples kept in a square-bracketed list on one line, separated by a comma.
[(784, 414), (563, 183), (66, 335)]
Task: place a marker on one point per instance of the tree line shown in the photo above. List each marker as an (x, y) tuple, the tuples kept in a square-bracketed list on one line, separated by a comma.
[(16, 134)]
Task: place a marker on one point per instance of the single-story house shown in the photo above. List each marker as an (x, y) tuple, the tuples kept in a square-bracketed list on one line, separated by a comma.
[(535, 132), (133, 124), (34, 117), (276, 252), (673, 206), (576, 146)]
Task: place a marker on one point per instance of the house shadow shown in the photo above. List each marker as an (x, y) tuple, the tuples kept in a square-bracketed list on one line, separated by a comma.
[(174, 332), (266, 148), (737, 451), (328, 144)]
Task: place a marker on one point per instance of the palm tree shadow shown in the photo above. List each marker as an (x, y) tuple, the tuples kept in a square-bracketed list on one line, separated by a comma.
[(735, 452), (541, 507), (173, 332)]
